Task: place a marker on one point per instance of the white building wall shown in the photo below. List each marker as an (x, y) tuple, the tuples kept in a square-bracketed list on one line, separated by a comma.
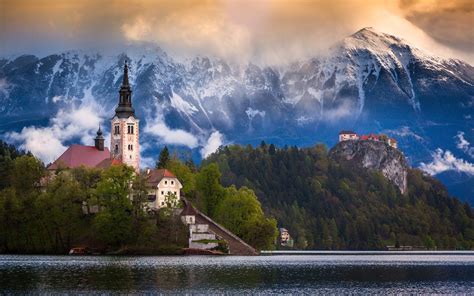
[(166, 185), (345, 137), (125, 146)]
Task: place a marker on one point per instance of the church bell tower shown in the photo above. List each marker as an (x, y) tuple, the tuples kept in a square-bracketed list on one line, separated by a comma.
[(124, 142)]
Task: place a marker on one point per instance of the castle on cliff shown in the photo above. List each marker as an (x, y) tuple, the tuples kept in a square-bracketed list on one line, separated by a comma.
[(350, 135)]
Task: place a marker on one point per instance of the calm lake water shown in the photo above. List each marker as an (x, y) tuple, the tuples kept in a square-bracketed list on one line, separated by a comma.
[(283, 274)]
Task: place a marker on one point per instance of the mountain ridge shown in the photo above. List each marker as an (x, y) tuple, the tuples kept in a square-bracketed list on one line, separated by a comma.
[(357, 86)]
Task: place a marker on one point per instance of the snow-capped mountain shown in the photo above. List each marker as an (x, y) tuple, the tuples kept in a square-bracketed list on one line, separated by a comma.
[(369, 81)]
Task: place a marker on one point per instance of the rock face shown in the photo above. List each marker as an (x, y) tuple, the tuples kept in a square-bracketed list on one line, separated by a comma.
[(374, 155)]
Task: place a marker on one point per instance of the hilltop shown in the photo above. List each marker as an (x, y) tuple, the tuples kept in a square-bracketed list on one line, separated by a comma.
[(329, 203), (374, 155)]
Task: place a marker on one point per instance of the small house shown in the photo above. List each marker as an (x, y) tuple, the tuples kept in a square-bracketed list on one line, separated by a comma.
[(162, 184), (347, 135)]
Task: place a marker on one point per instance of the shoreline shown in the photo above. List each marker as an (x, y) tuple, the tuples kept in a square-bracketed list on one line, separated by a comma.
[(185, 253)]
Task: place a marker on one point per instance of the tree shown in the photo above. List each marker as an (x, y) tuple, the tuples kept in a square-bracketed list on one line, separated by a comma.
[(209, 188), (114, 223), (242, 214), (185, 174), (60, 213), (164, 158), (171, 200), (26, 174)]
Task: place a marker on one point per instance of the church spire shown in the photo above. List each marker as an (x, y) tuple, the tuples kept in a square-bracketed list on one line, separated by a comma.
[(125, 75), (99, 140), (125, 109)]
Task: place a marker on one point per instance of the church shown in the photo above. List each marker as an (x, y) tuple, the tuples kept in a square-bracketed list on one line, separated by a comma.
[(124, 149), (124, 139)]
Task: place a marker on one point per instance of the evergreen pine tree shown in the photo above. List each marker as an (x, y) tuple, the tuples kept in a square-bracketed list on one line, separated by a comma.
[(164, 159)]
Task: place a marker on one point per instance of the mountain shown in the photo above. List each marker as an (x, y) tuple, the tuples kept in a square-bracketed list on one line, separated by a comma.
[(369, 82)]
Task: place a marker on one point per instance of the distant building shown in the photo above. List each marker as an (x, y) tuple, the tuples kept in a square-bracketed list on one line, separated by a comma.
[(392, 142), (347, 135), (285, 238), (162, 183), (350, 135)]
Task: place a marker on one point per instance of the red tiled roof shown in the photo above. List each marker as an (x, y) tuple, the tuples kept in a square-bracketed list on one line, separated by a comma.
[(155, 176), (80, 155), (108, 162), (364, 137)]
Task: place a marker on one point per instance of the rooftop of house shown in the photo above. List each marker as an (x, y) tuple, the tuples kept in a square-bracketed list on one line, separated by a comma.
[(80, 155), (188, 210), (155, 176)]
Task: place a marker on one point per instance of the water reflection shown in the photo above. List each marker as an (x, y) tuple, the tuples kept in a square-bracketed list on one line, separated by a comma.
[(264, 274)]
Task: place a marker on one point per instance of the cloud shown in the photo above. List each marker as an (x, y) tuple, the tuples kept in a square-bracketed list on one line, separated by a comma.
[(42, 142), (156, 126), (214, 141), (449, 22), (404, 131), (73, 123), (464, 144), (445, 161), (344, 109), (267, 31)]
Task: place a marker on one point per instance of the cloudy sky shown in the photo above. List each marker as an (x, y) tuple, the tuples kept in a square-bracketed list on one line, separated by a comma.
[(265, 30)]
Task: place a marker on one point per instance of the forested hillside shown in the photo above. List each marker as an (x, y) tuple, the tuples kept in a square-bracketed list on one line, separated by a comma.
[(327, 204)]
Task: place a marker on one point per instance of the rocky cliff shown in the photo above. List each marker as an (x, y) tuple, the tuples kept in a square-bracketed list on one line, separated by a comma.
[(374, 155)]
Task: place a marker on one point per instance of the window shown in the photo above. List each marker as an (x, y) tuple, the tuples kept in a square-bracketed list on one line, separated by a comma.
[(130, 147), (116, 129), (162, 203), (166, 182), (116, 148), (162, 193), (130, 129), (172, 182), (175, 193)]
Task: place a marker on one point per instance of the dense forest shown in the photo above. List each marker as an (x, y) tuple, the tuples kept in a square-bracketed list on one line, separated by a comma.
[(327, 204), (44, 214)]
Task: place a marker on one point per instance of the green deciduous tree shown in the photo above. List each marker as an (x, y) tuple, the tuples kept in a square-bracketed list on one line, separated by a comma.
[(241, 212), (114, 222), (209, 188)]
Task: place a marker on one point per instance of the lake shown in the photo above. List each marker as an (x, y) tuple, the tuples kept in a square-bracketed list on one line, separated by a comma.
[(334, 273)]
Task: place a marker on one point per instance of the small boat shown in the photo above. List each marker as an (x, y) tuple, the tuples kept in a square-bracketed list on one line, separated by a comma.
[(79, 251)]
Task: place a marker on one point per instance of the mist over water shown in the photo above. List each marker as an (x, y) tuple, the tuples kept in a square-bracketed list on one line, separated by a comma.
[(315, 274)]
